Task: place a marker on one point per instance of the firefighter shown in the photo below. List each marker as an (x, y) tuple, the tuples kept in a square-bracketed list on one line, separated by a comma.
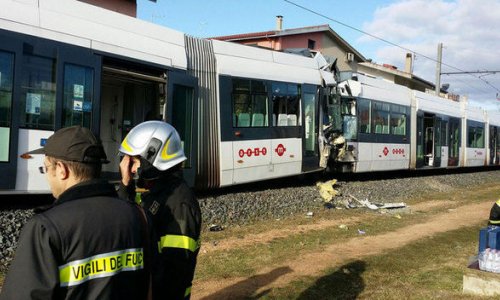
[(79, 247), (495, 214), (153, 155)]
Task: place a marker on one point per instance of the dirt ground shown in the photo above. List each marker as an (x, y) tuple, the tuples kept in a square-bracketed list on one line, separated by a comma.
[(314, 263)]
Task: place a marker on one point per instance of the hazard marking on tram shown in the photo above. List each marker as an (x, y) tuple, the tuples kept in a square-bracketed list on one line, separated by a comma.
[(252, 152), (386, 151), (280, 150)]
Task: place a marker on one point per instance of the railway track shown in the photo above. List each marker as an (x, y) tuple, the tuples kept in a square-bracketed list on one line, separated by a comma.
[(275, 198)]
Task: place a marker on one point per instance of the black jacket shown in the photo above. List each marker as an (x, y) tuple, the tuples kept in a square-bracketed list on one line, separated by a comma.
[(495, 214), (176, 217), (87, 245)]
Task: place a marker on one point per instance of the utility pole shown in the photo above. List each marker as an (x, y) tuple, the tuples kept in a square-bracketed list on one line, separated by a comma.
[(438, 68)]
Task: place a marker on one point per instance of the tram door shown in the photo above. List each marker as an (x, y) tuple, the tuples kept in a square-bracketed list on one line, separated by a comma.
[(181, 113), (493, 145), (8, 144), (432, 140), (437, 141), (428, 140), (453, 142), (310, 156), (127, 99), (420, 140)]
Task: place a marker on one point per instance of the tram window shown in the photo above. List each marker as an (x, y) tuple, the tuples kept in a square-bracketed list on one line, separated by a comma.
[(38, 93), (286, 104), (498, 142), (250, 103), (348, 106), (380, 118), (350, 127), (480, 137), (471, 138), (364, 115), (6, 74), (78, 95), (444, 133), (398, 124), (334, 112), (475, 138)]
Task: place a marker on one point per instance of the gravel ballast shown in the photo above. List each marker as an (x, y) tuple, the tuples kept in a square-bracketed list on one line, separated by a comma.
[(277, 199)]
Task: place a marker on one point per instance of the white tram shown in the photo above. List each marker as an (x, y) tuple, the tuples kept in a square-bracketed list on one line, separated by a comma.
[(398, 128), (244, 114)]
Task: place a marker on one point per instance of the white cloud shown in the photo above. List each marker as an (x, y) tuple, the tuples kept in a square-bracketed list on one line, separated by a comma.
[(468, 29)]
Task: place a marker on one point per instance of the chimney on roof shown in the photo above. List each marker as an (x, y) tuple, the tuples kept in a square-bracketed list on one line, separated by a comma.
[(279, 23), (409, 63)]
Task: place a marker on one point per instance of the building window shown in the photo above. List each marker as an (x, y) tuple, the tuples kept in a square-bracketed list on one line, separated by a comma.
[(311, 44)]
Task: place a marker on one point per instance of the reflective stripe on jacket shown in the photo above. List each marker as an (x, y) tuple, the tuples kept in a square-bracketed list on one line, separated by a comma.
[(87, 245), (495, 214)]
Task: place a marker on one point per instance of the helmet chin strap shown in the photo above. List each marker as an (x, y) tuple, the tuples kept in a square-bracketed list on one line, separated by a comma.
[(146, 172)]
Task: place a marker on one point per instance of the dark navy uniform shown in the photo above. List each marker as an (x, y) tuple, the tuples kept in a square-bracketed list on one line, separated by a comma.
[(176, 217), (87, 245)]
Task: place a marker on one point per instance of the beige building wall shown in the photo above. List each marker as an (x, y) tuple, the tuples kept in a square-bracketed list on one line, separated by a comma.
[(331, 48)]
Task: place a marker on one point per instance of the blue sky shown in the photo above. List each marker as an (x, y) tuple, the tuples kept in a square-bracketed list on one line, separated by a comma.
[(468, 31)]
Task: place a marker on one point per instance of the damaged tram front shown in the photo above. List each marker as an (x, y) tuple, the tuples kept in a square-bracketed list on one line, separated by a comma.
[(340, 125)]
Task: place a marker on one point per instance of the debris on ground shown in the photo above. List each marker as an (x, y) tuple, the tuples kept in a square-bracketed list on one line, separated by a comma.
[(309, 214), (328, 205), (365, 203), (361, 231), (375, 206), (326, 190), (393, 205), (343, 226), (215, 227)]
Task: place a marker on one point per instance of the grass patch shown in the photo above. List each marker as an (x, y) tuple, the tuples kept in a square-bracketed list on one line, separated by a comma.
[(431, 268), (246, 261)]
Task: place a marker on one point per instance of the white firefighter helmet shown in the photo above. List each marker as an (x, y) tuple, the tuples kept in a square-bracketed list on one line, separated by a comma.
[(155, 141)]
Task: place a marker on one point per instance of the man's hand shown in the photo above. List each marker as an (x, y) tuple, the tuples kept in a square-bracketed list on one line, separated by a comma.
[(126, 170)]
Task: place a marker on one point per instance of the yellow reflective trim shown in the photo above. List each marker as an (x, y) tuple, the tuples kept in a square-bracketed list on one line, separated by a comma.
[(164, 153), (138, 198), (102, 265), (495, 222), (178, 241), (187, 292), (126, 146)]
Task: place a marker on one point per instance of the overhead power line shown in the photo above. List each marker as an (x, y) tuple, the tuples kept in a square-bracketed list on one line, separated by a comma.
[(388, 42), (470, 72)]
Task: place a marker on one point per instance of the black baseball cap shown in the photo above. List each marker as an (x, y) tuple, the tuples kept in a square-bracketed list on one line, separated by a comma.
[(74, 143)]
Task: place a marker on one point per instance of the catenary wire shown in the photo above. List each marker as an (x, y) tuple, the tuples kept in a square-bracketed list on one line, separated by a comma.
[(386, 41)]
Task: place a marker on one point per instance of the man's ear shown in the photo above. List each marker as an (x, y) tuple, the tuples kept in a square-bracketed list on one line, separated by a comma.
[(63, 171)]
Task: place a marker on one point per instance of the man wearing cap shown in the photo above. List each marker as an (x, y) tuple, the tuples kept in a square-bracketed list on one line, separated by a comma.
[(88, 244)]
